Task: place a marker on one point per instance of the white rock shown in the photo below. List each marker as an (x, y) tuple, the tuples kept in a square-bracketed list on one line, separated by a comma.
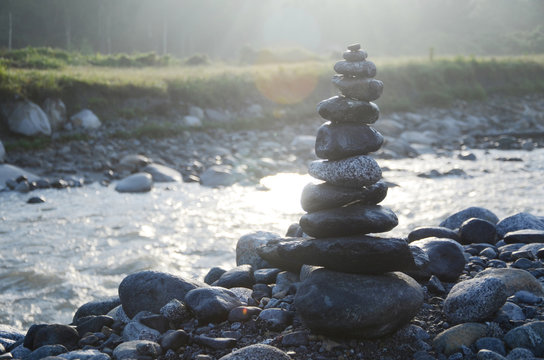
[(2, 152), (191, 121), (218, 175), (29, 119), (135, 183), (56, 112), (161, 173), (216, 116), (8, 172), (133, 162), (85, 119), (196, 112)]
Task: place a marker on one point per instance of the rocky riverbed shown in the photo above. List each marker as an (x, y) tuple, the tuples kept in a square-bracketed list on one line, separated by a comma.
[(480, 273), (247, 156)]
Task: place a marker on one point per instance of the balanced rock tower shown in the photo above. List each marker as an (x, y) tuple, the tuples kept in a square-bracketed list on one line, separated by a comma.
[(356, 286)]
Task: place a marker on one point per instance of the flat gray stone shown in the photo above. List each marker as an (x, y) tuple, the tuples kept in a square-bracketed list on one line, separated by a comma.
[(526, 236), (348, 220), (356, 171), (357, 254)]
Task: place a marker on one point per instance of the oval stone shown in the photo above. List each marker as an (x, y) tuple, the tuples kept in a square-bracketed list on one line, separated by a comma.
[(341, 140), (358, 55), (355, 254), (355, 172), (366, 89), (365, 69), (367, 306), (326, 196), (344, 109), (349, 220)]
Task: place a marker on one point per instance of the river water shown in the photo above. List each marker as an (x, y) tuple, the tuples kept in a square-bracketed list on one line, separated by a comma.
[(80, 243)]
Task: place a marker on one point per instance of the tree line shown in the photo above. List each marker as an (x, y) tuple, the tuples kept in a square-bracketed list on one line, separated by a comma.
[(224, 28)]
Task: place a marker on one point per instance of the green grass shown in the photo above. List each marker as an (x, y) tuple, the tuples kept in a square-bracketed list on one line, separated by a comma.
[(104, 83)]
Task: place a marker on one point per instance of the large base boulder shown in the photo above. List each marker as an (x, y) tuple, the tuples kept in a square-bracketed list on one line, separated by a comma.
[(367, 306)]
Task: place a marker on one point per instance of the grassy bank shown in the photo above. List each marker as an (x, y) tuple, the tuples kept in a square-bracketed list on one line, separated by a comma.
[(295, 87)]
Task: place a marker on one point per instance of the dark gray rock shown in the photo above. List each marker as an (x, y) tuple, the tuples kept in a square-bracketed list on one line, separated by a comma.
[(326, 196), (432, 231), (157, 322), (10, 333), (137, 349), (356, 171), (46, 350), (97, 307), (243, 313), (276, 319), (358, 55), (366, 89), (343, 109), (520, 221), (214, 343), (260, 291), (485, 354), (520, 354), (491, 343), (349, 220), (174, 339), (525, 236), (246, 249), (211, 304), (240, 276), (474, 300), (36, 200), (368, 306), (365, 69), (257, 351), (454, 221), (341, 140), (266, 276), (296, 338), (56, 334), (213, 275), (511, 311), (176, 311), (529, 336), (151, 290), (515, 280), (357, 254), (89, 354), (422, 261), (476, 230), (93, 323), (447, 260), (294, 230)]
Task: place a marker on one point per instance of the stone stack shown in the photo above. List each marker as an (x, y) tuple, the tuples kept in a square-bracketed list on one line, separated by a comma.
[(358, 291)]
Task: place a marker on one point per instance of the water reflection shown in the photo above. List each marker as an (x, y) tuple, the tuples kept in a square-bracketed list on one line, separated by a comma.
[(82, 242)]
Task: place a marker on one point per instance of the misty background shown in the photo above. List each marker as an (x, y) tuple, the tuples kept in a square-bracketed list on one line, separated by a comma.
[(231, 29)]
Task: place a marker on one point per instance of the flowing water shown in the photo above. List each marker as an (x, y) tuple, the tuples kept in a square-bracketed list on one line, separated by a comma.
[(82, 242)]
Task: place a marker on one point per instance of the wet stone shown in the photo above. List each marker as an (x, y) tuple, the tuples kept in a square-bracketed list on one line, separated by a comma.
[(348, 220), (432, 231), (326, 196), (526, 236), (344, 109), (358, 55), (477, 231), (342, 140), (366, 89), (365, 69)]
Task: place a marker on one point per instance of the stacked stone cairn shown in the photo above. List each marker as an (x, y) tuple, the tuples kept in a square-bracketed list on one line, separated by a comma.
[(353, 283)]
